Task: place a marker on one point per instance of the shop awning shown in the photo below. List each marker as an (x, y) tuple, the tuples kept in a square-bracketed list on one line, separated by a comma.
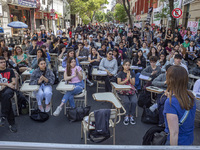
[(20, 5)]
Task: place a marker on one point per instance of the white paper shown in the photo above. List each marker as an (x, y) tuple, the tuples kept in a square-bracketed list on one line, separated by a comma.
[(144, 77), (100, 72)]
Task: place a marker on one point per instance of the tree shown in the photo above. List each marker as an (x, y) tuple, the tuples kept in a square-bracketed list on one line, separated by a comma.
[(128, 11), (100, 16), (167, 11), (120, 13), (86, 8), (109, 16), (173, 20)]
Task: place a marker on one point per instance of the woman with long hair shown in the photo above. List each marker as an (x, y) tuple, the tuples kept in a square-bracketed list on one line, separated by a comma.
[(45, 78), (40, 53), (73, 75), (153, 52), (129, 98), (117, 56), (189, 36), (139, 60), (180, 105), (162, 62), (21, 59), (94, 59), (70, 53)]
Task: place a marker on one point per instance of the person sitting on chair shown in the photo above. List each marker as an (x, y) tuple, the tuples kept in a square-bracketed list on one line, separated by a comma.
[(73, 74), (7, 92), (109, 65), (45, 78), (127, 77)]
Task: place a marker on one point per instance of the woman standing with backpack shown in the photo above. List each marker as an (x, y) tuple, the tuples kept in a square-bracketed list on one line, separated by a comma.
[(179, 108)]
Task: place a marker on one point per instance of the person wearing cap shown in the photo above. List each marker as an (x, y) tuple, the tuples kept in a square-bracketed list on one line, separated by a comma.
[(91, 42), (177, 61), (32, 49)]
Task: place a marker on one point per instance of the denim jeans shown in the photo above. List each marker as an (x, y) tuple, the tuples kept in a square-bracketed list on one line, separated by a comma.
[(130, 102), (70, 94), (45, 91)]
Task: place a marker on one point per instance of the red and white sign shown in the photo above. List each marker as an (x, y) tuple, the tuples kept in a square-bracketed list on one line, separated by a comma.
[(193, 25), (177, 13), (52, 12), (138, 17)]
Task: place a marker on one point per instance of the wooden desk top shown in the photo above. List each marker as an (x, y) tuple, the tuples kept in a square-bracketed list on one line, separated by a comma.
[(84, 62), (154, 89), (193, 76), (109, 97), (120, 87), (27, 72), (64, 87), (61, 69), (32, 56), (29, 88), (53, 54), (96, 72)]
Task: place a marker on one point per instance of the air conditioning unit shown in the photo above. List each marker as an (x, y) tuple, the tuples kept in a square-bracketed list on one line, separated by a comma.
[(142, 12)]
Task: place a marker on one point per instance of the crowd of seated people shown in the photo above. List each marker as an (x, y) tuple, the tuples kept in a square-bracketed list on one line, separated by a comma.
[(107, 48)]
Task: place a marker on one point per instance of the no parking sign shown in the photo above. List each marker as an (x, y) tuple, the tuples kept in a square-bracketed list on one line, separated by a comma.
[(177, 13)]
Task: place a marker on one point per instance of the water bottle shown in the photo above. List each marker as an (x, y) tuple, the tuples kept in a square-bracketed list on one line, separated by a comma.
[(12, 63), (153, 107)]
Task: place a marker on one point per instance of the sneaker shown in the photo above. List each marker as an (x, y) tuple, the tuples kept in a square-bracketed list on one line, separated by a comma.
[(13, 128), (126, 120), (2, 121), (57, 111), (41, 108), (89, 82), (47, 109), (132, 121)]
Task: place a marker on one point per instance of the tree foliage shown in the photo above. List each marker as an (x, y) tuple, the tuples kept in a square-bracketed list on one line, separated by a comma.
[(109, 16), (120, 13), (86, 8), (100, 16)]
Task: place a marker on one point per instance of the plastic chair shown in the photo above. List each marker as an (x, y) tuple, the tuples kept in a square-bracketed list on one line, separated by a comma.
[(85, 126)]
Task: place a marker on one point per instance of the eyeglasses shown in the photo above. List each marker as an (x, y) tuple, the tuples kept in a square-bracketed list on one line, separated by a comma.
[(2, 62), (110, 53)]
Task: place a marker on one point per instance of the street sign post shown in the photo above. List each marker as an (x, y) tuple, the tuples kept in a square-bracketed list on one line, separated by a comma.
[(177, 13)]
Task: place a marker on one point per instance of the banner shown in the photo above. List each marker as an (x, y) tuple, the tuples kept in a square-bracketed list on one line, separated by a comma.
[(149, 15), (193, 25), (177, 3), (28, 3), (138, 25), (185, 2), (158, 10)]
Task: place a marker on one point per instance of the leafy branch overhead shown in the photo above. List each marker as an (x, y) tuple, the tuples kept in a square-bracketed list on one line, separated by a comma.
[(86, 8), (120, 13)]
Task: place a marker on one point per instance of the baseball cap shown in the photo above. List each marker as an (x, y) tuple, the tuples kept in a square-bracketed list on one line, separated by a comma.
[(91, 36)]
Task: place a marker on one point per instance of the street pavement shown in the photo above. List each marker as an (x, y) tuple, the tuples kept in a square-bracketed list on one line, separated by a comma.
[(60, 130)]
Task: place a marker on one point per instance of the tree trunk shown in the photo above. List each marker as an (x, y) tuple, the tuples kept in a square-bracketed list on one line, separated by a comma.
[(173, 21), (127, 9)]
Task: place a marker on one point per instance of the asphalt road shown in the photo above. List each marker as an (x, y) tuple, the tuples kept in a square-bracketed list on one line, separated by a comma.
[(60, 130)]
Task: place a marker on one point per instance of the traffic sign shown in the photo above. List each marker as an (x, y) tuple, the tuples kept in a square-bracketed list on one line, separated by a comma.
[(138, 17), (177, 13)]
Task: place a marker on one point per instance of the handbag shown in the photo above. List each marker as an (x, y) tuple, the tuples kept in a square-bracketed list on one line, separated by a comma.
[(161, 138), (78, 113), (39, 116)]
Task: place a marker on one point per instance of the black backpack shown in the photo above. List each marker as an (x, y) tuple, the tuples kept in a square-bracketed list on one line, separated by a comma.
[(23, 104), (149, 135), (101, 132), (144, 99), (150, 117)]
